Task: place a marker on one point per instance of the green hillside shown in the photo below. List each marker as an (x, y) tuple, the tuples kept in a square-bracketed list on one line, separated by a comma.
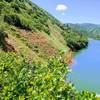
[(30, 30), (91, 30)]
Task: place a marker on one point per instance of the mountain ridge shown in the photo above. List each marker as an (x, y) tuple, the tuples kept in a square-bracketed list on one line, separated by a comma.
[(89, 29)]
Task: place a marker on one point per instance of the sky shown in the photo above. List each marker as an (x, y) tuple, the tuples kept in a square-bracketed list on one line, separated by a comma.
[(72, 11)]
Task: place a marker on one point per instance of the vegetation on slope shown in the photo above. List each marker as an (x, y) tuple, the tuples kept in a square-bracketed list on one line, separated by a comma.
[(2, 38), (32, 26), (91, 30), (75, 40), (24, 15), (95, 33), (19, 15), (21, 80)]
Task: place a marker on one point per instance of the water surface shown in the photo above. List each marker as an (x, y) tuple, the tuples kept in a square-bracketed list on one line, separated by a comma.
[(86, 70)]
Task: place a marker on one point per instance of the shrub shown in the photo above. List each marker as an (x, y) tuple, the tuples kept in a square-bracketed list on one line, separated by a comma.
[(2, 5), (13, 19), (18, 21), (20, 80), (2, 37), (15, 7), (46, 30), (26, 23), (76, 42), (9, 0)]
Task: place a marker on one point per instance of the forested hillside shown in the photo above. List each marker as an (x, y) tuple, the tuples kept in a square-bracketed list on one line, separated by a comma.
[(91, 30), (29, 30)]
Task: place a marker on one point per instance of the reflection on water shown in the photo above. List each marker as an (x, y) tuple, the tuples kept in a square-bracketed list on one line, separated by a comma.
[(86, 68)]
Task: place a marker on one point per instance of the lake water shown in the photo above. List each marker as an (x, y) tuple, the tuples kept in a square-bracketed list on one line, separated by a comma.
[(86, 70)]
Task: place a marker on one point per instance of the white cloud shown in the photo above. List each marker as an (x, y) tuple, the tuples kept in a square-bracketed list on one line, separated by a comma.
[(61, 7), (63, 13)]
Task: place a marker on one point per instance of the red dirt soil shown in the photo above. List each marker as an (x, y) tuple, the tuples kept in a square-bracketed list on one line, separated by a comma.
[(38, 40)]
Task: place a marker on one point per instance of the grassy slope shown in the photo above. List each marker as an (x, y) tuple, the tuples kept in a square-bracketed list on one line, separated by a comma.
[(34, 42)]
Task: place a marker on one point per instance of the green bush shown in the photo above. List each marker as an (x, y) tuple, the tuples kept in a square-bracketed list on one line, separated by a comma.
[(2, 37), (20, 80), (76, 42), (2, 5), (18, 21), (46, 30), (9, 0), (13, 19), (26, 23), (16, 7)]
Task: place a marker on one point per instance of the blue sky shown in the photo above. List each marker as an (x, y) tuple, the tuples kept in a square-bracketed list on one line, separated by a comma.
[(72, 11)]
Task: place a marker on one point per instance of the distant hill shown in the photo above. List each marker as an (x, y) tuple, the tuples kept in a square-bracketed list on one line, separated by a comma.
[(85, 25), (92, 30)]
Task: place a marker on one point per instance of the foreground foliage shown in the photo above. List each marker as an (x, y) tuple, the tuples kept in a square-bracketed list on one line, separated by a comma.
[(22, 80)]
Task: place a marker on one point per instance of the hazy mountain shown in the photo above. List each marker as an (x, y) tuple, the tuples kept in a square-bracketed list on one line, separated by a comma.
[(92, 30)]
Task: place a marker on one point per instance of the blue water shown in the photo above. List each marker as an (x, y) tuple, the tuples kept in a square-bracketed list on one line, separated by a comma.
[(86, 70)]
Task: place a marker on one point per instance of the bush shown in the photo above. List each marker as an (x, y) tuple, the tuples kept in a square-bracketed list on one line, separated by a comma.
[(16, 7), (2, 37), (13, 19), (18, 21), (46, 30), (2, 6), (20, 80), (26, 23), (9, 0), (76, 42)]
